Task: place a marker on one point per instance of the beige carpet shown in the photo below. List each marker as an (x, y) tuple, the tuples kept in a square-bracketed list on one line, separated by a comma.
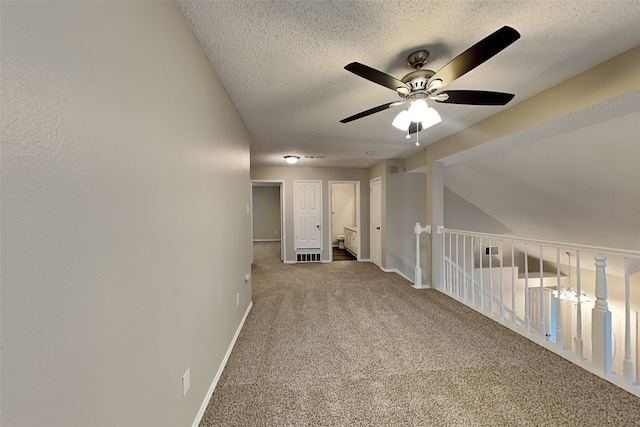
[(345, 344)]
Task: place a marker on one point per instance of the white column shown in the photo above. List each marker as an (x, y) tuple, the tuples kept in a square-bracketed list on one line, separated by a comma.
[(601, 321), (435, 216)]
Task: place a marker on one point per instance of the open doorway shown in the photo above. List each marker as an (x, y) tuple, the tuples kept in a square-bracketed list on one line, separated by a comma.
[(344, 214), (267, 214)]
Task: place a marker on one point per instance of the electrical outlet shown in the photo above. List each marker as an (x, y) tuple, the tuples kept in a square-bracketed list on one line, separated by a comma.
[(248, 210), (247, 277), (238, 300), (275, 232), (186, 382)]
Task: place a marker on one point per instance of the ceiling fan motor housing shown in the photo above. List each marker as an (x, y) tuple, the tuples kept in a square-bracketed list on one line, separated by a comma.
[(417, 81)]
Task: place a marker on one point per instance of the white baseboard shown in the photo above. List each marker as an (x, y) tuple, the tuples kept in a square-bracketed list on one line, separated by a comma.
[(364, 260), (267, 240), (207, 398)]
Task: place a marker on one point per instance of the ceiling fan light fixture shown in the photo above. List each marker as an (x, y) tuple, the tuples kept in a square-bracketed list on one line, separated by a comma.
[(430, 118), (291, 159), (402, 121), (418, 109)]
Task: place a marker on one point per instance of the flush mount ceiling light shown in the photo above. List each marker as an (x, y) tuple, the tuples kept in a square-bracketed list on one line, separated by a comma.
[(291, 159)]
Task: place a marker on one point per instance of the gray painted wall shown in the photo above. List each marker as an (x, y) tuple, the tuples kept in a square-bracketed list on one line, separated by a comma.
[(125, 239), (406, 204), (266, 213), (459, 214)]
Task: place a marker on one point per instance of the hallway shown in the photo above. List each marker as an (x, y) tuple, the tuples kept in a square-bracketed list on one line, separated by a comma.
[(345, 344)]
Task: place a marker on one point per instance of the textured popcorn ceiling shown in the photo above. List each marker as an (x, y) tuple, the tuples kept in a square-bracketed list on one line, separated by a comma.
[(282, 63)]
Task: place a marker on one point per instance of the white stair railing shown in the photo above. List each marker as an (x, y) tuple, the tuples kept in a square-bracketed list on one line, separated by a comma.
[(467, 280), (530, 290)]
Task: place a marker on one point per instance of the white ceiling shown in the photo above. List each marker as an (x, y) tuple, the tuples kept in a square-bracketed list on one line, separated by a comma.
[(282, 64)]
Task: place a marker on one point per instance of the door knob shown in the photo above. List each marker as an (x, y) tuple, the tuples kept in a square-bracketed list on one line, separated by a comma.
[(318, 227), (377, 228)]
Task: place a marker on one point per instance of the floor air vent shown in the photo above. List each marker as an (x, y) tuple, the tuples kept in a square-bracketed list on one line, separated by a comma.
[(308, 256)]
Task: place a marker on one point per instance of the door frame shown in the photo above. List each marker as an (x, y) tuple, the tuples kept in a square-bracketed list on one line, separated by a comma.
[(371, 225), (358, 210), (283, 232)]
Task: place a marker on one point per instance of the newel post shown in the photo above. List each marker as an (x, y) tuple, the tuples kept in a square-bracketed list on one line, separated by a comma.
[(418, 229), (601, 321)]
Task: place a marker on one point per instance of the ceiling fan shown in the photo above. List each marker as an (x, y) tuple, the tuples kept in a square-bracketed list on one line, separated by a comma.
[(421, 84)]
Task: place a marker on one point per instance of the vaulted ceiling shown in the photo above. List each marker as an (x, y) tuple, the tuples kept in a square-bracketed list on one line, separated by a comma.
[(282, 64)]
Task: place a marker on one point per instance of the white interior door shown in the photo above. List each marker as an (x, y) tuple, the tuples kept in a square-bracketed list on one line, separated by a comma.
[(308, 214), (376, 220)]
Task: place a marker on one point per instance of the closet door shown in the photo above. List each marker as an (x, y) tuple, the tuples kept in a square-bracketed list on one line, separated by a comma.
[(308, 214)]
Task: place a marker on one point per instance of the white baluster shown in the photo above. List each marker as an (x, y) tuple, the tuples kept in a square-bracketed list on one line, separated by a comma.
[(527, 303), (458, 293), (502, 314), (417, 281), (514, 313), (490, 280), (543, 308), (445, 264), (481, 279), (601, 320), (464, 267), (450, 280), (628, 363), (559, 335), (473, 275), (578, 340)]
